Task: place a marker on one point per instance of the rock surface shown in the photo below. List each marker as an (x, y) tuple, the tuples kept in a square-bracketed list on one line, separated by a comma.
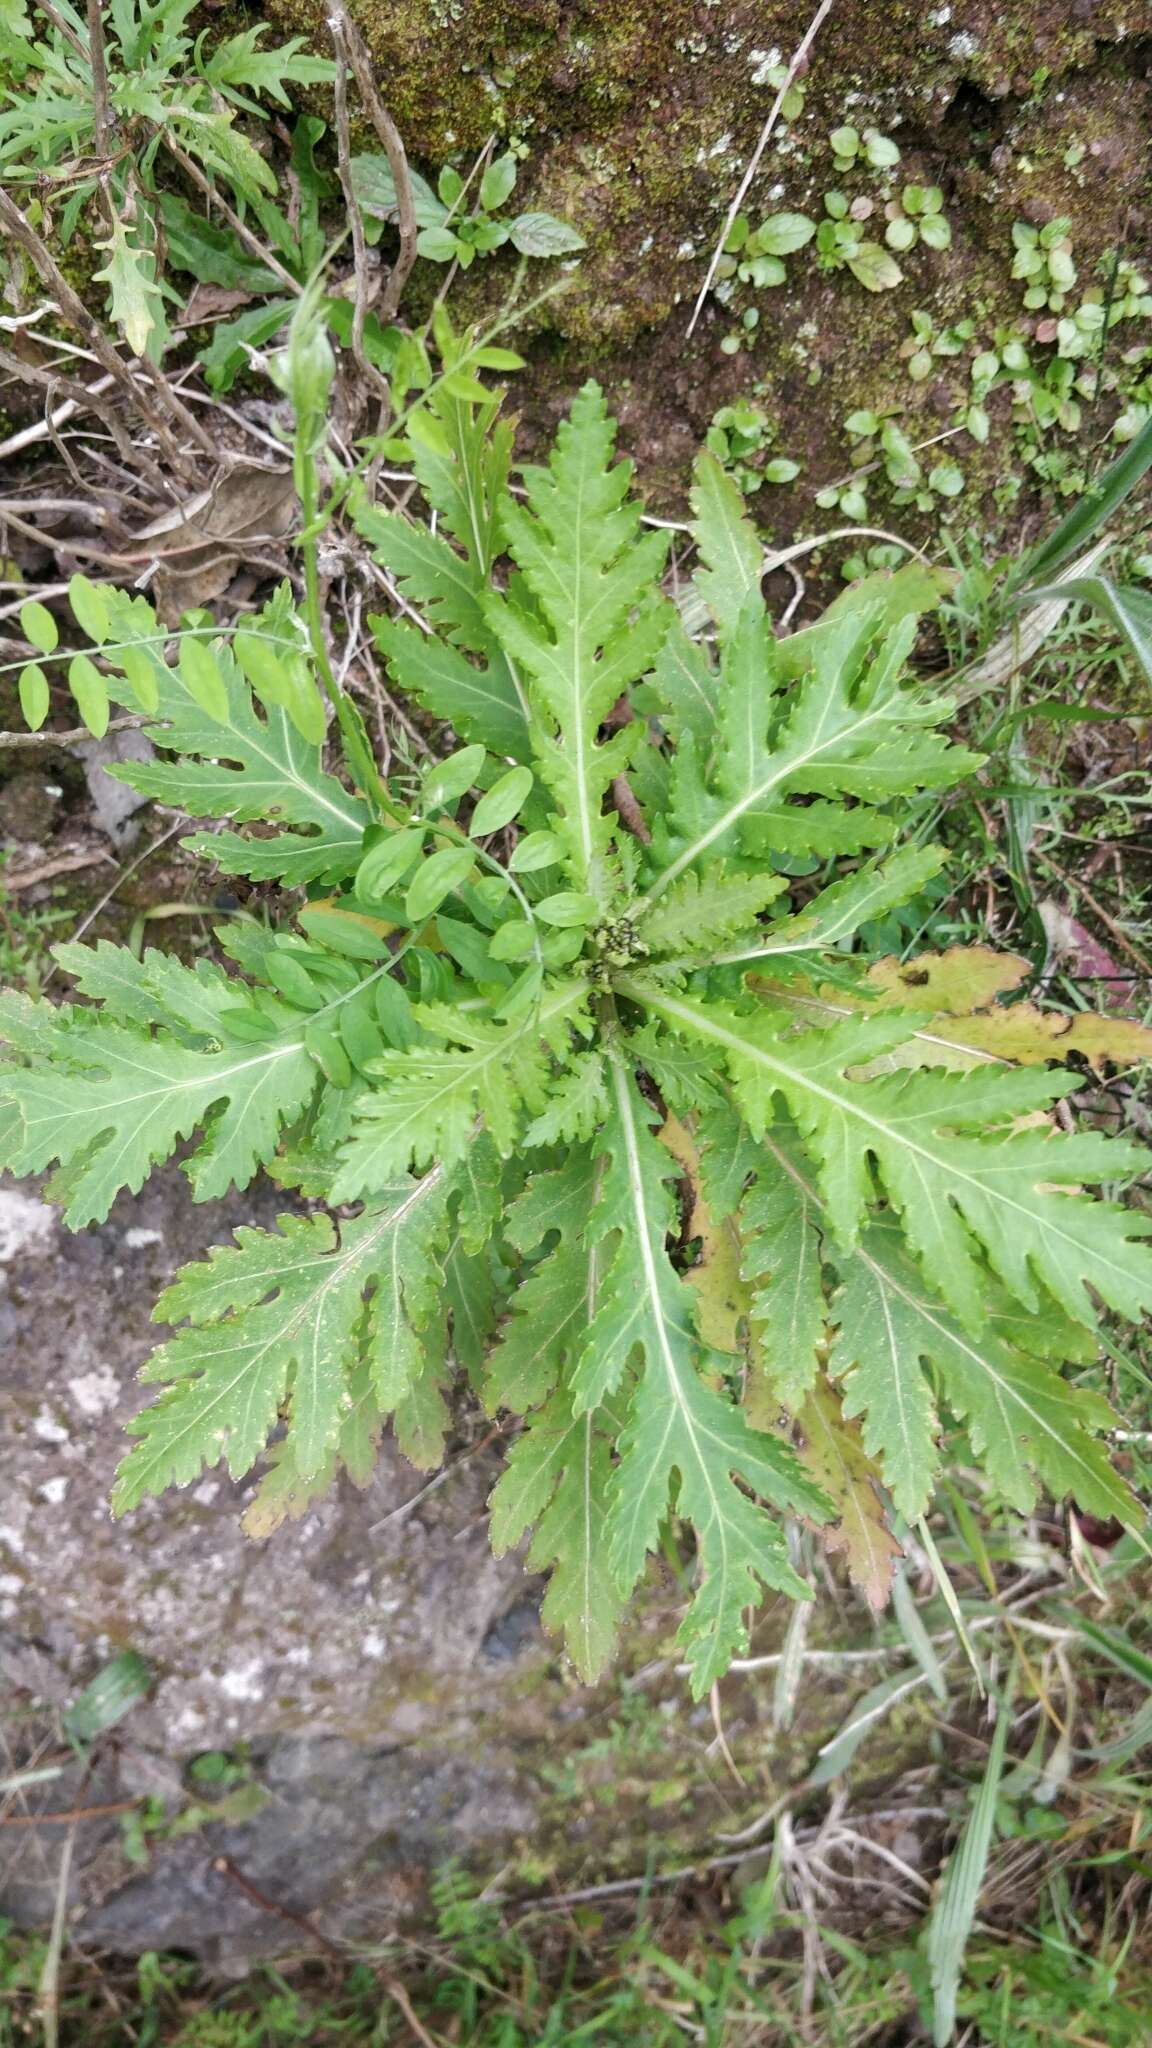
[(639, 117), (377, 1670)]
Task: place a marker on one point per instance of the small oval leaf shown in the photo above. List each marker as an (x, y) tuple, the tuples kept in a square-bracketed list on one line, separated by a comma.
[(39, 627), (89, 609), (535, 850), (449, 779), (502, 803), (201, 677), (91, 693), (541, 234), (441, 873), (568, 907), (387, 863), (140, 669), (34, 698)]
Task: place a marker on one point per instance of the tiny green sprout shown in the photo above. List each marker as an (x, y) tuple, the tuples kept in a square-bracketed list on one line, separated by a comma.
[(917, 216), (755, 255), (850, 147), (841, 245), (792, 105), (946, 479), (1043, 262), (740, 436)]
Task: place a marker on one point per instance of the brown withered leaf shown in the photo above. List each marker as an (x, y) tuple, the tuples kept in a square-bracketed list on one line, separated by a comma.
[(832, 1453), (722, 1296), (200, 544), (208, 300)]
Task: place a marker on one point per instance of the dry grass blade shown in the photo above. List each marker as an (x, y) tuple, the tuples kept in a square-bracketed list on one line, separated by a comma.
[(394, 150), (363, 283)]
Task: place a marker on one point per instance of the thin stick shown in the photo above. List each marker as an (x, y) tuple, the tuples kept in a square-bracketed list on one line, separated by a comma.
[(394, 150), (78, 1813), (1109, 923), (77, 315), (796, 65), (99, 71), (63, 27), (72, 738), (365, 286), (81, 397), (227, 1868), (43, 429), (399, 1996), (48, 1988)]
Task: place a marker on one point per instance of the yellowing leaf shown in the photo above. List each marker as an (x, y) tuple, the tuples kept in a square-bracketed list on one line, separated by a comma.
[(961, 988), (832, 1453), (722, 1297)]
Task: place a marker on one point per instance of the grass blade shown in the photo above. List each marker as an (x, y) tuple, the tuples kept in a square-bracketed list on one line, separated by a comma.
[(1089, 514), (955, 1909), (1128, 610)]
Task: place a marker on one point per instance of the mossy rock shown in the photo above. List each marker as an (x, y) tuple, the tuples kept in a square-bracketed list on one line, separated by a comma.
[(639, 119)]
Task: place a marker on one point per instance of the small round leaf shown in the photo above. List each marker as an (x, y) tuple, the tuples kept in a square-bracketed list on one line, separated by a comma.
[(502, 802)]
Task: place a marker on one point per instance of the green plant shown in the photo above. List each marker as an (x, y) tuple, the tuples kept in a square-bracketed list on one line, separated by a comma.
[(594, 1086), (83, 125), (851, 148), (740, 436), (1044, 261), (449, 234), (755, 255), (26, 940), (841, 244), (918, 216)]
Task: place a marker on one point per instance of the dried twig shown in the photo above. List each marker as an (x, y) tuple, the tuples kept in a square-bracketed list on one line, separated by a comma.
[(80, 398), (99, 70), (394, 150), (77, 315), (72, 738), (799, 58), (63, 864), (63, 27), (227, 1868), (76, 1813), (365, 285), (399, 1996)]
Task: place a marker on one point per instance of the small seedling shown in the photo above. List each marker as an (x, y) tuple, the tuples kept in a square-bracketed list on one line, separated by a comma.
[(450, 234), (850, 149), (841, 245), (1044, 261), (739, 437), (917, 216)]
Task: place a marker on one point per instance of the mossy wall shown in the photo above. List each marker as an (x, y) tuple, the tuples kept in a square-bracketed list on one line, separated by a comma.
[(639, 116)]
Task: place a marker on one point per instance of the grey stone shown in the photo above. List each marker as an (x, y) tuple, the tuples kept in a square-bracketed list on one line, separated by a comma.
[(380, 1671)]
